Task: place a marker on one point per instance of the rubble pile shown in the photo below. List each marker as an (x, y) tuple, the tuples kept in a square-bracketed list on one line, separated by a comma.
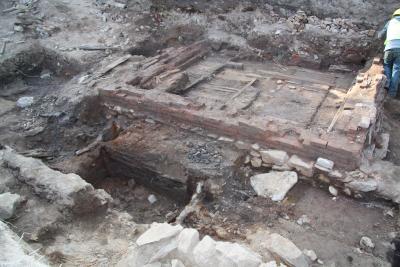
[(164, 244)]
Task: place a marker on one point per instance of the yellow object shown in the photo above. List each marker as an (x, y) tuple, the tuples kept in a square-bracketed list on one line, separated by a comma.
[(396, 13)]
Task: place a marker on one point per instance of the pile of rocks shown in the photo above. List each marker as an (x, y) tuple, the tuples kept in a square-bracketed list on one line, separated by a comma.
[(279, 160), (300, 20), (167, 245)]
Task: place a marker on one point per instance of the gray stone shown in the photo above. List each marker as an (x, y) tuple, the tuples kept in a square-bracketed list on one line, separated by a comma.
[(367, 244), (304, 220), (274, 185), (303, 167), (67, 190), (333, 191), (363, 185), (8, 205), (25, 101), (276, 157), (324, 164), (286, 250), (311, 255)]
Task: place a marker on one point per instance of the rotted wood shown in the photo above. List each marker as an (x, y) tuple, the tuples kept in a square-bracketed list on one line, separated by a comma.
[(171, 61)]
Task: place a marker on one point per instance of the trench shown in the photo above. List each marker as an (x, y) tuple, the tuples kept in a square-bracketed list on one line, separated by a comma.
[(146, 194)]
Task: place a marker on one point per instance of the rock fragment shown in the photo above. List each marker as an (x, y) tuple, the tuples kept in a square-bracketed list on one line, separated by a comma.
[(274, 185), (324, 164), (8, 205), (367, 244), (311, 255), (187, 240), (333, 191), (303, 167), (276, 157), (286, 250), (24, 102)]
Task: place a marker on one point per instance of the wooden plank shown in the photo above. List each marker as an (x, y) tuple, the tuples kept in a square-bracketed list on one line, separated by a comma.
[(238, 93)]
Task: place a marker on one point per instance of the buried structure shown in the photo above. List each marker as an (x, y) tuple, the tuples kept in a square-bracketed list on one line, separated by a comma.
[(197, 146)]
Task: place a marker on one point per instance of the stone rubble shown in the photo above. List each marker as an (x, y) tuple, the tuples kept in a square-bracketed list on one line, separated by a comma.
[(274, 185), (173, 245), (8, 205)]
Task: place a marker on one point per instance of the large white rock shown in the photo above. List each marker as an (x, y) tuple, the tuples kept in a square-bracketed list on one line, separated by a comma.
[(8, 204), (158, 232), (157, 244), (286, 250), (205, 253), (177, 263), (303, 167), (274, 185), (187, 240), (237, 255), (275, 157)]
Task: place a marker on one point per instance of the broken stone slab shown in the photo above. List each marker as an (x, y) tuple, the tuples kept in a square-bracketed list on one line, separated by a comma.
[(67, 190), (8, 205), (324, 164), (212, 253), (15, 252), (363, 185), (177, 263), (204, 254), (303, 167), (237, 255), (276, 157), (274, 185), (158, 243), (158, 232), (286, 250), (187, 240), (311, 255)]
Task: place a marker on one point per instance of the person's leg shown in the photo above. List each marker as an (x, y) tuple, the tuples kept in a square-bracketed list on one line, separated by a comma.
[(394, 81), (388, 66)]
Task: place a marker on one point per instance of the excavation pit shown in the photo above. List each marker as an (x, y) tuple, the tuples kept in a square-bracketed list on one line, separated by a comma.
[(150, 158)]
